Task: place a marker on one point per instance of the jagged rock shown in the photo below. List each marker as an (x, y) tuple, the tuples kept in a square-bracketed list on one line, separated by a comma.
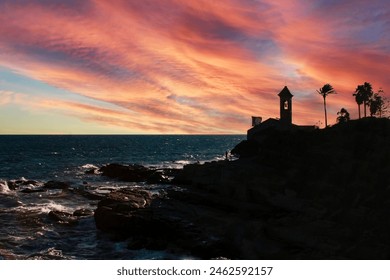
[(15, 184), (130, 213), (132, 173), (116, 212), (62, 217), (56, 185), (319, 194), (83, 212), (32, 190), (176, 220), (12, 185), (92, 171), (157, 177), (90, 194)]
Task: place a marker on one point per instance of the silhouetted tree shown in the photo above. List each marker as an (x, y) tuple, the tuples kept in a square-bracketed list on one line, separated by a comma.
[(359, 99), (375, 104), (386, 105), (366, 93), (384, 110), (324, 91), (378, 104), (343, 116)]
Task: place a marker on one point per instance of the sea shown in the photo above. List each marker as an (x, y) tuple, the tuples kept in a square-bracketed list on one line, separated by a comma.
[(27, 231)]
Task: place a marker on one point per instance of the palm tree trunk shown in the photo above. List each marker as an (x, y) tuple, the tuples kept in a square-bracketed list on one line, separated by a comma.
[(359, 112), (326, 118), (365, 105)]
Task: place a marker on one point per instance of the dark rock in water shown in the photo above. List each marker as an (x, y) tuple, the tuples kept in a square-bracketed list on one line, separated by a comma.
[(15, 184), (56, 185), (31, 190), (62, 217), (116, 211), (133, 173), (27, 182), (157, 177), (90, 194), (12, 185), (92, 171), (83, 212), (161, 223), (128, 213), (48, 254)]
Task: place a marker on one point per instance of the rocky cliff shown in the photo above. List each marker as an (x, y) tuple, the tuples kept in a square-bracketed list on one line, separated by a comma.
[(320, 194)]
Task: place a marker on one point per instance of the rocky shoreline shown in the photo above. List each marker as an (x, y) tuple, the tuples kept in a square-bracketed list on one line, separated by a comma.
[(294, 195), (322, 194)]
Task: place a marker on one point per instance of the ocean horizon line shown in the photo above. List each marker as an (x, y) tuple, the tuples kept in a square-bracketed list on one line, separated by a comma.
[(119, 134)]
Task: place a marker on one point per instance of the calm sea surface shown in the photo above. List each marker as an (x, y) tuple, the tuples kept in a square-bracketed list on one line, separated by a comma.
[(26, 230)]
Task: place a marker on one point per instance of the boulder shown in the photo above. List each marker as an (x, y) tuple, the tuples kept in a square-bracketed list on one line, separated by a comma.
[(90, 194), (177, 220), (92, 171), (157, 177), (129, 173), (62, 217), (117, 211), (15, 184), (32, 190), (56, 185), (83, 212)]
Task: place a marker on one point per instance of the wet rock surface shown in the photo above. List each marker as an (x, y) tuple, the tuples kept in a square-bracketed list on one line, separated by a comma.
[(133, 173), (62, 217), (18, 184), (168, 221), (56, 185)]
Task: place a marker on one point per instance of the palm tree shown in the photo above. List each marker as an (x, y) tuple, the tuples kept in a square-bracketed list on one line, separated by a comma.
[(324, 91), (366, 92), (359, 98)]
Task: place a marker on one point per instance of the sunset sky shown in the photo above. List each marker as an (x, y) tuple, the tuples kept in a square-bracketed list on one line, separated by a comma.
[(183, 66)]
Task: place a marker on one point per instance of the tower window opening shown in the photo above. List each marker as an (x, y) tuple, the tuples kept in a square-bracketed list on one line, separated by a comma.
[(285, 105)]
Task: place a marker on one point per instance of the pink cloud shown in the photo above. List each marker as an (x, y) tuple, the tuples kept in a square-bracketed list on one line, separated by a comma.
[(197, 66)]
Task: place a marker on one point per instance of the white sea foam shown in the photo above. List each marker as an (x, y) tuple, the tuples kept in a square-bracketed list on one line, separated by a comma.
[(182, 162), (178, 164), (88, 166), (45, 207)]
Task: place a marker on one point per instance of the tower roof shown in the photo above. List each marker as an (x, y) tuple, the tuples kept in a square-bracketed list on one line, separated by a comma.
[(285, 93)]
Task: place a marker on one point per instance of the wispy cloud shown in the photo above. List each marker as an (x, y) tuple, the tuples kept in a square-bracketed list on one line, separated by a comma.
[(6, 97)]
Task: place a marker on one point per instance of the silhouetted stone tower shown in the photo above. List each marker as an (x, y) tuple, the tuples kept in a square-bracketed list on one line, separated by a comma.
[(285, 106)]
